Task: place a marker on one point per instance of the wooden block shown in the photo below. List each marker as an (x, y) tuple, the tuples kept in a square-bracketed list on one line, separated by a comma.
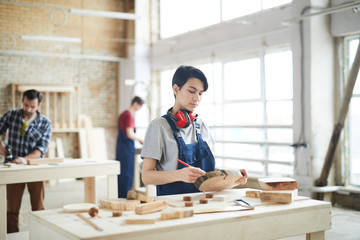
[(209, 195), (274, 184), (139, 221), (203, 201), (119, 204), (144, 199), (176, 214), (278, 196), (187, 198), (116, 213), (131, 195), (44, 161), (253, 194), (151, 207), (189, 204)]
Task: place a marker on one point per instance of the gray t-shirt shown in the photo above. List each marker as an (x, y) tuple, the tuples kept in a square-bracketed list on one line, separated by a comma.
[(160, 143)]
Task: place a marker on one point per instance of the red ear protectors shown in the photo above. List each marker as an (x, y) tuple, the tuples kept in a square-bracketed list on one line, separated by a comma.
[(183, 118)]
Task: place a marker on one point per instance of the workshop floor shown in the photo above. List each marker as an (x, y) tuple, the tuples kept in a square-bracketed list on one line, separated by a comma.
[(345, 222)]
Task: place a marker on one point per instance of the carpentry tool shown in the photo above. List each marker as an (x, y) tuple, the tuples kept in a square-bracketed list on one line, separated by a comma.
[(183, 163), (242, 203), (8, 156)]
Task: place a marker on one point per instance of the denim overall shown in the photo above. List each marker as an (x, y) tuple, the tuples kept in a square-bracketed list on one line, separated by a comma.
[(125, 152), (196, 154)]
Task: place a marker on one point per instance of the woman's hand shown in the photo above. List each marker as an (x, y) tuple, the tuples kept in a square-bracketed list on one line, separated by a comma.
[(242, 180), (190, 174)]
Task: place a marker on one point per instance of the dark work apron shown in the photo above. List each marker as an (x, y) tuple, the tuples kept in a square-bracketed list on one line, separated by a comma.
[(196, 154), (125, 153)]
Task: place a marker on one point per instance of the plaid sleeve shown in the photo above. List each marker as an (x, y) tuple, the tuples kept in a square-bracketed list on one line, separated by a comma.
[(4, 123), (43, 143)]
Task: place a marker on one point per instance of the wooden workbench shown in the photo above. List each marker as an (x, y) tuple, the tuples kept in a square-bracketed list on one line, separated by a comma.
[(267, 221), (70, 168)]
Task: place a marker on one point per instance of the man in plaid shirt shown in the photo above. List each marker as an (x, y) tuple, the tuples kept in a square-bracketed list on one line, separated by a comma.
[(29, 136)]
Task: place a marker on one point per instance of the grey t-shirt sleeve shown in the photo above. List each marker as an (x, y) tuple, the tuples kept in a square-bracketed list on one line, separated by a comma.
[(160, 144)]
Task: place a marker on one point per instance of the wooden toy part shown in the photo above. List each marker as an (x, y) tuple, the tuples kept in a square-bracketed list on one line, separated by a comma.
[(274, 184), (218, 180), (203, 201), (187, 198), (132, 195), (93, 212), (116, 213), (151, 207), (209, 195), (189, 204)]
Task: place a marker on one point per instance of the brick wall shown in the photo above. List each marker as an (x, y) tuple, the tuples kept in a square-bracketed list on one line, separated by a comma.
[(34, 61)]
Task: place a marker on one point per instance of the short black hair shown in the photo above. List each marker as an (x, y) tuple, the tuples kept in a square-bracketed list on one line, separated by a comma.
[(183, 73), (138, 100), (33, 94)]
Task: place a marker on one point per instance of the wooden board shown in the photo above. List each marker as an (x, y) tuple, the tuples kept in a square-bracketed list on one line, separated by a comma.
[(218, 180), (44, 161), (274, 184)]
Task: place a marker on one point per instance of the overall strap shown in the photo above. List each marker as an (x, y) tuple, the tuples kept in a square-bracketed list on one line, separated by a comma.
[(176, 130), (198, 133)]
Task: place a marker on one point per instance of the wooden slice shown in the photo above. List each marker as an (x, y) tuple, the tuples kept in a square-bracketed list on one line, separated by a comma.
[(78, 207), (218, 180), (203, 201), (187, 198), (189, 204)]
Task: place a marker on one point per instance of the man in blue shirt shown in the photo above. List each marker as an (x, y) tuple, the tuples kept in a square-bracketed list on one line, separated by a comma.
[(29, 134)]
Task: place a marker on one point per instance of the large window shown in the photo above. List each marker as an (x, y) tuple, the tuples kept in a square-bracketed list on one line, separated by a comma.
[(248, 107), (180, 16), (353, 149)]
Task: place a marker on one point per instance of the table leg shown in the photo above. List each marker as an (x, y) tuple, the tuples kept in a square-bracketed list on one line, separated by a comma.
[(3, 210), (112, 188), (90, 193), (315, 235)]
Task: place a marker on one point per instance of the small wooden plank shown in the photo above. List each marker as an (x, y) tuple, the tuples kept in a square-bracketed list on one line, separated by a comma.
[(278, 196), (132, 194), (176, 214), (253, 194), (151, 207), (44, 161), (274, 184), (47, 88), (59, 148), (140, 221)]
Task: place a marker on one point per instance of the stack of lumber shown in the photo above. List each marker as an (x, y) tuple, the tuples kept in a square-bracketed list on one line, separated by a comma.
[(278, 190)]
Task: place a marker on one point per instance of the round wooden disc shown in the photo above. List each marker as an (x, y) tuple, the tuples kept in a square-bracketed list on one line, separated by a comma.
[(217, 180)]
